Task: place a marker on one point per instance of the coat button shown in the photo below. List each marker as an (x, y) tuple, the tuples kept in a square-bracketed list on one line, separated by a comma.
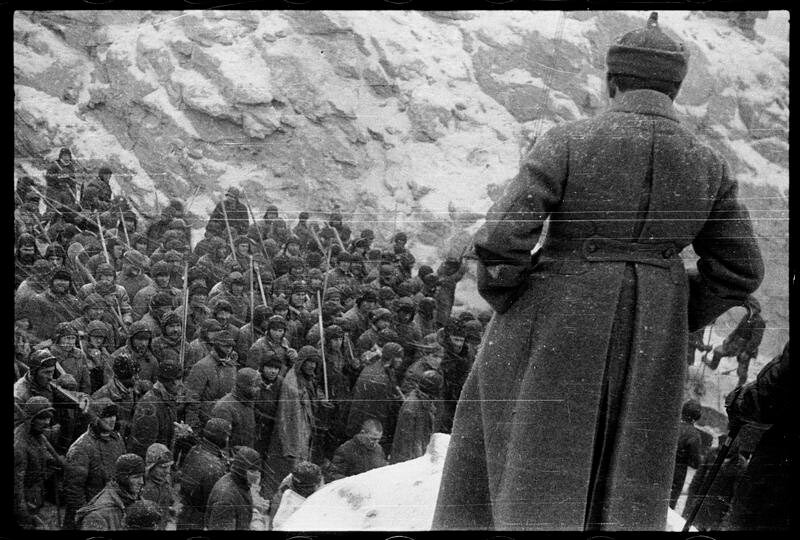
[(669, 252)]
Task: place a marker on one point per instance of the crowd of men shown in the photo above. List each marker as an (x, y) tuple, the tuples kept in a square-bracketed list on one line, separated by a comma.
[(269, 358), (160, 383)]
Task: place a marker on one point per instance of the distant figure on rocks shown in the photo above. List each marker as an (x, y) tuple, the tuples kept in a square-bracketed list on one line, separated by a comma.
[(743, 342), (60, 181), (586, 351), (236, 212)]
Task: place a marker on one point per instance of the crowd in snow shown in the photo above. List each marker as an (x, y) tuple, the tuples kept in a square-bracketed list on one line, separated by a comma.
[(160, 384), (163, 383)]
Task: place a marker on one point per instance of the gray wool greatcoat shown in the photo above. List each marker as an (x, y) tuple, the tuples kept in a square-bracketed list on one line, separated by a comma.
[(569, 417)]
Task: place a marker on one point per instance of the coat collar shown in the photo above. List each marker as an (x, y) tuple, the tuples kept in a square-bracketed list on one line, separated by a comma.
[(647, 102)]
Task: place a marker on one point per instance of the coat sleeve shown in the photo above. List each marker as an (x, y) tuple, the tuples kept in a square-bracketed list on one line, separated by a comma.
[(765, 400), (220, 512), (339, 467), (94, 521), (513, 224), (195, 383), (124, 300), (730, 266), (21, 512), (144, 428), (76, 469), (289, 421), (141, 303)]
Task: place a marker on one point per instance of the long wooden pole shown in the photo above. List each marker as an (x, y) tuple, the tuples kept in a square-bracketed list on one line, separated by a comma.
[(185, 320), (228, 228), (261, 286), (327, 273), (252, 304), (103, 240), (124, 227), (338, 238), (322, 346), (258, 228)]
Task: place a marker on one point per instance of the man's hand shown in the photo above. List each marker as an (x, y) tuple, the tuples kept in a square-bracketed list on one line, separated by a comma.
[(182, 429), (292, 354)]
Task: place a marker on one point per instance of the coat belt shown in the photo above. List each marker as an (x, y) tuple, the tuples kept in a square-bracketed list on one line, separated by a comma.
[(597, 249)]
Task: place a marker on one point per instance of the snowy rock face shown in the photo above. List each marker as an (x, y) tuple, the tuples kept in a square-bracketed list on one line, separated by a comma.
[(403, 118)]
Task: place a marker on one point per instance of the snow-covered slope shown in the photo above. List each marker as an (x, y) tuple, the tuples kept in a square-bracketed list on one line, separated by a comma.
[(399, 497), (405, 119)]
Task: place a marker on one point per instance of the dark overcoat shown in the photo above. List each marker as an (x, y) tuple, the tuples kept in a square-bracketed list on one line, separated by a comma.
[(569, 417)]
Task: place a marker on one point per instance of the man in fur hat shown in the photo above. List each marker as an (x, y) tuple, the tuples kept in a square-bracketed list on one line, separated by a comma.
[(587, 349)]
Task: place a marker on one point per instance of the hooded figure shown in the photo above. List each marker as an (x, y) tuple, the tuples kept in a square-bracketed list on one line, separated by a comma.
[(36, 282), (306, 478), (569, 417), (376, 394), (210, 379), (60, 181), (140, 337), (206, 462), (418, 418), (157, 411), (232, 215), (294, 424), (157, 482), (171, 335), (133, 277), (106, 511), (230, 505), (53, 306), (91, 458), (237, 407), (26, 254), (33, 462)]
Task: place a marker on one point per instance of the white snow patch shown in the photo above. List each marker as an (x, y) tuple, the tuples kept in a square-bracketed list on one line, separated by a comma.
[(29, 62), (519, 76), (764, 171), (399, 497), (245, 70), (595, 84), (200, 92), (160, 99)]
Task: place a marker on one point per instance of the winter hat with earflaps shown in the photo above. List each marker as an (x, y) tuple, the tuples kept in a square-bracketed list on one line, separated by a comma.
[(142, 515), (306, 476), (157, 454), (38, 405), (217, 430), (648, 53), (128, 465), (246, 459)]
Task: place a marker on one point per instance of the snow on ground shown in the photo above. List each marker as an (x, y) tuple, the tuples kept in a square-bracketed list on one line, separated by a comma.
[(399, 497)]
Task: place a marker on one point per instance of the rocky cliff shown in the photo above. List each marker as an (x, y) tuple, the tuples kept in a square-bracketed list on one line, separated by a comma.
[(404, 119)]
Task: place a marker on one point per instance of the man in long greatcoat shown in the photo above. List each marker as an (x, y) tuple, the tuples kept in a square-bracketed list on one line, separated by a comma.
[(569, 417)]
